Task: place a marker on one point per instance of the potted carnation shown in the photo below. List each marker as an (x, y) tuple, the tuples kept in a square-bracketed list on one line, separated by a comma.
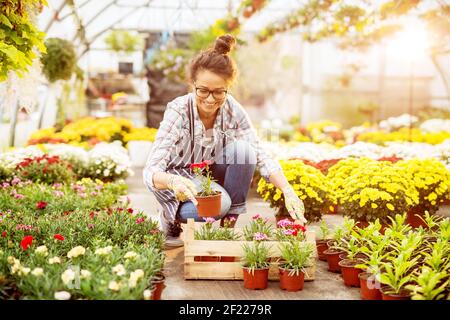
[(296, 256), (255, 263), (209, 200)]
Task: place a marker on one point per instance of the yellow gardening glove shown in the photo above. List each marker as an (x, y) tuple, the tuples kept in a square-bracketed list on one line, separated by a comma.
[(294, 204), (184, 188)]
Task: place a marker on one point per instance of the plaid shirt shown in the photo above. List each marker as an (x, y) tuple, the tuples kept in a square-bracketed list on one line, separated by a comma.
[(174, 132)]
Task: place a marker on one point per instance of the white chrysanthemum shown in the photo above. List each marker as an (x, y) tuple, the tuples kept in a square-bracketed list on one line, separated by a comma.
[(85, 274), (130, 255), (37, 272), (68, 276), (114, 286), (41, 250), (75, 252), (103, 251), (62, 295), (54, 260), (119, 270)]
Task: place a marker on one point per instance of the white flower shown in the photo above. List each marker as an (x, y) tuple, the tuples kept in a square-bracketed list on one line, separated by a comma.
[(106, 172), (130, 255), (11, 260), (134, 277), (42, 250), (103, 251), (97, 171), (24, 271), (62, 295), (75, 252), (119, 270), (113, 286), (37, 272), (85, 274), (68, 276), (147, 294), (54, 260)]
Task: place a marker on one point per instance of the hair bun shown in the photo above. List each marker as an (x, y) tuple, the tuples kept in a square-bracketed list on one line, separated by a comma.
[(224, 44)]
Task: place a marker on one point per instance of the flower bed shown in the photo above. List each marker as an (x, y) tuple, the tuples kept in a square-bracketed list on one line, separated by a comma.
[(65, 163), (75, 241)]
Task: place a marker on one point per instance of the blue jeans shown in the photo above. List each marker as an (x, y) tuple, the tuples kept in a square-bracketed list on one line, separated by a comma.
[(233, 176)]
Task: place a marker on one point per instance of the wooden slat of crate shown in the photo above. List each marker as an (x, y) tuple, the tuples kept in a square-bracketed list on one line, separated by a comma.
[(228, 270)]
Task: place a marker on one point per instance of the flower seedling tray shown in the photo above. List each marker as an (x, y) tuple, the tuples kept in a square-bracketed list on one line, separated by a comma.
[(229, 270)]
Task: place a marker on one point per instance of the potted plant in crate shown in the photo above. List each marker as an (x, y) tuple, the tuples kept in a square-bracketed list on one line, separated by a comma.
[(227, 233), (255, 263), (206, 232), (295, 257), (209, 200)]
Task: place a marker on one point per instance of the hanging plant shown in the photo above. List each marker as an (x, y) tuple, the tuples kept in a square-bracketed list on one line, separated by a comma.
[(18, 36), (60, 61), (123, 41)]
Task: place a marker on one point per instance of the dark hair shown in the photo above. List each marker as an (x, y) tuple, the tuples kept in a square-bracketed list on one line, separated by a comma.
[(216, 60)]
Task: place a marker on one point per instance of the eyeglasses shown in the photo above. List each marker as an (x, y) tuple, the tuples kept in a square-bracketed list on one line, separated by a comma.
[(204, 93)]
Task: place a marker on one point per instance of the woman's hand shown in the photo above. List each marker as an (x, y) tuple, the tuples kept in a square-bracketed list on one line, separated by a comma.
[(294, 204), (184, 188)]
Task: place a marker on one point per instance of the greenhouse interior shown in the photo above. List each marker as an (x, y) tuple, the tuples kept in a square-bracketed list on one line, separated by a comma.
[(225, 150)]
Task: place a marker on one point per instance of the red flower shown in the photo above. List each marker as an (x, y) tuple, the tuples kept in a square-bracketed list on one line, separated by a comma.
[(26, 242), (299, 227), (130, 210), (140, 220), (4, 234), (58, 237), (41, 205)]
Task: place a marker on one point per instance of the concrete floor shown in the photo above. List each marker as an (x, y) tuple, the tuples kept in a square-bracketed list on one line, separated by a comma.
[(326, 285)]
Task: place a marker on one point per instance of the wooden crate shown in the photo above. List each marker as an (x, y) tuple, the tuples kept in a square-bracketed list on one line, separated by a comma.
[(229, 270)]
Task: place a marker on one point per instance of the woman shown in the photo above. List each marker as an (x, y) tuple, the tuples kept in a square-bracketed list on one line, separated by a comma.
[(209, 124)]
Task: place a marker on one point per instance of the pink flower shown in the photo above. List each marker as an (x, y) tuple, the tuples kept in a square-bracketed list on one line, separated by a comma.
[(140, 220), (57, 185), (18, 196), (93, 193), (284, 223), (99, 187), (256, 216), (232, 219), (209, 220), (82, 195), (260, 236), (5, 185), (15, 181), (91, 226), (23, 227), (58, 193)]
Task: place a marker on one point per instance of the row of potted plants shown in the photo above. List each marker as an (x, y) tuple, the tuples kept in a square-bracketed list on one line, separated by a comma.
[(394, 263), (365, 189), (296, 254), (76, 241)]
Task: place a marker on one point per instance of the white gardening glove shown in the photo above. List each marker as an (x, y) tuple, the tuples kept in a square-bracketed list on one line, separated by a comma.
[(184, 188), (294, 204)]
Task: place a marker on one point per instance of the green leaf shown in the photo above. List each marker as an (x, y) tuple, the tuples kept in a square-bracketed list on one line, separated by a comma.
[(4, 20)]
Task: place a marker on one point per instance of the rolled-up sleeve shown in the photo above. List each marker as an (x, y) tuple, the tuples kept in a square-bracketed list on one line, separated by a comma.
[(247, 132), (166, 138)]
